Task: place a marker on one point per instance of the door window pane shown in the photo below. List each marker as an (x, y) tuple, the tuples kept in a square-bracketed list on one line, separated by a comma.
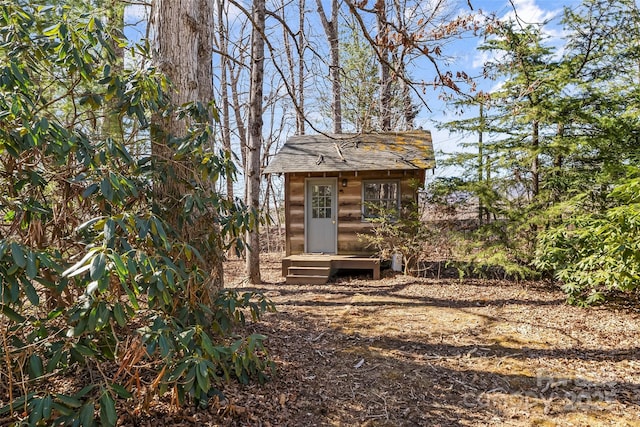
[(321, 201)]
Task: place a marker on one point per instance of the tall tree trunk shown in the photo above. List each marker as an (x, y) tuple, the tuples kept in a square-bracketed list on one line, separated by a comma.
[(183, 47), (255, 136), (291, 62), (408, 109), (480, 161), (535, 166), (234, 79), (300, 120), (331, 30), (385, 75), (223, 46)]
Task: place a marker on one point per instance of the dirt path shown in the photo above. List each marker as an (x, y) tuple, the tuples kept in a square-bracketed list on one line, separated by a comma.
[(419, 352)]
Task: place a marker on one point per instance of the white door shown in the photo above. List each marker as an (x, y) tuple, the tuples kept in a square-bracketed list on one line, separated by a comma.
[(320, 215)]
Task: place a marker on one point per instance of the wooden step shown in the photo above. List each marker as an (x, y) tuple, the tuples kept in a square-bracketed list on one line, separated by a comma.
[(311, 262), (298, 279), (296, 265), (296, 270), (304, 262)]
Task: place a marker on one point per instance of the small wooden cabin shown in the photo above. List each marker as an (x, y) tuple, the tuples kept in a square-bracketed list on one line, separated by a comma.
[(330, 181)]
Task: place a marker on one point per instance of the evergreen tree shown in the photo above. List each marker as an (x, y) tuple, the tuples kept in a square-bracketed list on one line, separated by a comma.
[(563, 145), (593, 246)]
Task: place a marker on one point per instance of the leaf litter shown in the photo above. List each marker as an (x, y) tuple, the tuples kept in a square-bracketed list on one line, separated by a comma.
[(405, 351)]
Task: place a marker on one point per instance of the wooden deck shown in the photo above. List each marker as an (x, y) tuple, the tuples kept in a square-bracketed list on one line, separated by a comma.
[(318, 268)]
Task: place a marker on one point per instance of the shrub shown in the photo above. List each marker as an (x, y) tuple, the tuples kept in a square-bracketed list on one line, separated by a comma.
[(594, 254), (102, 303)]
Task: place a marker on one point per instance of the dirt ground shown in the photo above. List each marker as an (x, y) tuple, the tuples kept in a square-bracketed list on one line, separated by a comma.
[(404, 351)]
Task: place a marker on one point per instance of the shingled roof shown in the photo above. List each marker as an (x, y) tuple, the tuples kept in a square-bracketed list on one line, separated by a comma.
[(350, 152)]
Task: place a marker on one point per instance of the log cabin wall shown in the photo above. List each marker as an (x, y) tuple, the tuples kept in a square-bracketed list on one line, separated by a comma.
[(350, 221)]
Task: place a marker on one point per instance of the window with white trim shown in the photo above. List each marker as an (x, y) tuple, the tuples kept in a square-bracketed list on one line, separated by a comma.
[(380, 196)]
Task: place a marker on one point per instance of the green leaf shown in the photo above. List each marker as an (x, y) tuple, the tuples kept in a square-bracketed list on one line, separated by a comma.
[(53, 362), (32, 270), (83, 350), (35, 415), (89, 190), (52, 31), (84, 391), (106, 189), (3, 248), (18, 255), (103, 315), (98, 265), (108, 416), (109, 230), (188, 206), (12, 315), (35, 366), (44, 124), (178, 371), (86, 415), (118, 313), (202, 377), (17, 403), (164, 346), (69, 401), (63, 410), (85, 225), (17, 73), (47, 406), (30, 291), (121, 391), (121, 269), (159, 229), (132, 296)]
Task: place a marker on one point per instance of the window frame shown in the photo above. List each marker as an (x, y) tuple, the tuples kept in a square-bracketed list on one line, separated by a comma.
[(364, 201)]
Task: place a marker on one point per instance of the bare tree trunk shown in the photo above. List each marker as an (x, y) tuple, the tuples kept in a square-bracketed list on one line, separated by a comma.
[(331, 30), (300, 120), (297, 90), (223, 47), (276, 210), (408, 109), (255, 136), (234, 76), (183, 43), (385, 75)]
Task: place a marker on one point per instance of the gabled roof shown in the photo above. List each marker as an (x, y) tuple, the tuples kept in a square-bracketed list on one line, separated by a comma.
[(355, 152)]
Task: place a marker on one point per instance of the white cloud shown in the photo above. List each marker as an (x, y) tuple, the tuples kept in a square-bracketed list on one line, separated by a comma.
[(530, 12), (136, 12), (534, 12)]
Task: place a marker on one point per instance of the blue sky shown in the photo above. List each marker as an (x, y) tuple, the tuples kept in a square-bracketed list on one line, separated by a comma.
[(469, 58), (464, 54)]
